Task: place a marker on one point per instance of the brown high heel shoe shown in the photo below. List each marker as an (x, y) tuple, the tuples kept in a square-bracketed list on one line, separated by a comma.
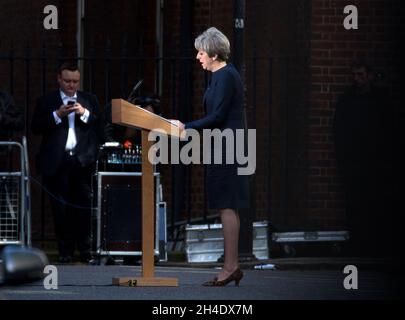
[(236, 276)]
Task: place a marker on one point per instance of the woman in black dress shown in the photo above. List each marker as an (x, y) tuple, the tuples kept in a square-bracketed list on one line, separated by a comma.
[(223, 99)]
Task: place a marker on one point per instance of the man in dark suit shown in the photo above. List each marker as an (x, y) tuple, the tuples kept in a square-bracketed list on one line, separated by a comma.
[(363, 143), (69, 122)]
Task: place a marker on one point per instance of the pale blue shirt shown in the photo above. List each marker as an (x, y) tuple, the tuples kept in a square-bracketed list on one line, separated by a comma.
[(71, 141)]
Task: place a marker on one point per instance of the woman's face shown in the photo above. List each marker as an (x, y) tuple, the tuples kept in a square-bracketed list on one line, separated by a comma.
[(205, 60)]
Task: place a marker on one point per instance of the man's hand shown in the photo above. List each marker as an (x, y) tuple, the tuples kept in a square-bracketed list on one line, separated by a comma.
[(79, 109), (64, 110)]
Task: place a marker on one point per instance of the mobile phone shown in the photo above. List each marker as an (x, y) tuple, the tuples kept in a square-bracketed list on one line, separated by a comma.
[(70, 103)]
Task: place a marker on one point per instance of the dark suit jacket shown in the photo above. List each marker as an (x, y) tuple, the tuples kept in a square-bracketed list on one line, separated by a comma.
[(54, 136)]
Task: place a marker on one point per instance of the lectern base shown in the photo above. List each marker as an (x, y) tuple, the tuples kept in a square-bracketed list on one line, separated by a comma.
[(146, 282)]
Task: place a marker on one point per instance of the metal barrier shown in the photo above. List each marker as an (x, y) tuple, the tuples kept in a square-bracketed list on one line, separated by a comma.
[(15, 214)]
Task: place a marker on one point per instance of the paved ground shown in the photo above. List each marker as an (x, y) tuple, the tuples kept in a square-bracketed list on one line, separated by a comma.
[(80, 282)]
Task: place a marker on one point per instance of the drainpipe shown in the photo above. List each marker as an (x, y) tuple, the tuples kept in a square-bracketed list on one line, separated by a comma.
[(159, 45), (247, 216), (80, 36)]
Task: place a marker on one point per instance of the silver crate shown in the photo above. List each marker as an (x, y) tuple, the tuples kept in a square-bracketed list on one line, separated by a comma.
[(204, 243), (302, 242), (310, 236)]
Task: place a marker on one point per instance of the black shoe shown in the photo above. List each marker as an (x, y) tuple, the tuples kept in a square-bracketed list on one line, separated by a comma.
[(65, 259)]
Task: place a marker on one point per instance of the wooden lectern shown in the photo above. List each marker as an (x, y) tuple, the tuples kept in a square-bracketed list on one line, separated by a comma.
[(127, 114)]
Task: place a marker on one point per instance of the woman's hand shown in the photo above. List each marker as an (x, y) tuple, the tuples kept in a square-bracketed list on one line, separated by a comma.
[(178, 123)]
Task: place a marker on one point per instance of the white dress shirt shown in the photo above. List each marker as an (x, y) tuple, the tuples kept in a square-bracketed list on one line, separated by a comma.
[(71, 141)]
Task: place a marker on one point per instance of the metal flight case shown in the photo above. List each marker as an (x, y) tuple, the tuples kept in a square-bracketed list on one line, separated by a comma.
[(117, 212)]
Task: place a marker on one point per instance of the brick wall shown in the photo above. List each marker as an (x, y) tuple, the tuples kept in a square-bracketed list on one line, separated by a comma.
[(333, 48)]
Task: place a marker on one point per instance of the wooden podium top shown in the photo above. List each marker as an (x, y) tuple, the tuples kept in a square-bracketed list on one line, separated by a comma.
[(127, 114)]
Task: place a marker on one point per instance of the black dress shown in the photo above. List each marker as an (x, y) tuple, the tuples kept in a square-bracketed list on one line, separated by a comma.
[(223, 104)]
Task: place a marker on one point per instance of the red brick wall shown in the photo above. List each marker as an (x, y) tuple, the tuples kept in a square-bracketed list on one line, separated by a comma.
[(333, 48)]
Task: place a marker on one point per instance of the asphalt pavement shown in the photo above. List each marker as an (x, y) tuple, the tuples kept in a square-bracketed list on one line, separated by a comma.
[(318, 281)]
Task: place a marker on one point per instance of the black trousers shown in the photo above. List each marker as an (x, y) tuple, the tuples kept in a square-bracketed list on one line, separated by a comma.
[(70, 196)]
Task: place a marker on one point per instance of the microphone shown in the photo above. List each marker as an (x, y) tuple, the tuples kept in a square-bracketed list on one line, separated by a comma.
[(136, 87)]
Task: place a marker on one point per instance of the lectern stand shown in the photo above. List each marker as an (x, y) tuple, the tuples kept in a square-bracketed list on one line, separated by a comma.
[(127, 114)]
